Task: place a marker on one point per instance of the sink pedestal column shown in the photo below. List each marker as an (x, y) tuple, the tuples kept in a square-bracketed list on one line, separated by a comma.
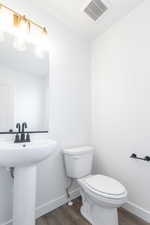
[(24, 196)]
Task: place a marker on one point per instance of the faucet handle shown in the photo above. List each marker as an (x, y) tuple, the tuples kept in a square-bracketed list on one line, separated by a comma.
[(24, 126), (18, 126)]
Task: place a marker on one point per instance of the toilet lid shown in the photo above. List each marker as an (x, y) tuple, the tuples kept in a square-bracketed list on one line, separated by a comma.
[(106, 185)]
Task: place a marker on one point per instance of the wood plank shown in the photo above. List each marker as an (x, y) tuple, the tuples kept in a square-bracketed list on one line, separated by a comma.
[(70, 215), (42, 221), (129, 219)]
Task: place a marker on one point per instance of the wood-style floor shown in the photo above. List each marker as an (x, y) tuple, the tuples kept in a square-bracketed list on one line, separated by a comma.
[(70, 215)]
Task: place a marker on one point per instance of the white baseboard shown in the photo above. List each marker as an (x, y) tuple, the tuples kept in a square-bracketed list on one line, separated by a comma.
[(54, 204), (51, 205), (138, 211)]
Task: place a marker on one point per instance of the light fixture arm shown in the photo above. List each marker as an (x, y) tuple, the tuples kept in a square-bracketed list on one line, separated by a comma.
[(29, 21)]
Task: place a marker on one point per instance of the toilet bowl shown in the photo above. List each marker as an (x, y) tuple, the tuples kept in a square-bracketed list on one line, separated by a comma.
[(101, 195)]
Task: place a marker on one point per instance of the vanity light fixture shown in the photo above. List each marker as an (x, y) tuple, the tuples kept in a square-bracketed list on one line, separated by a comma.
[(23, 29)]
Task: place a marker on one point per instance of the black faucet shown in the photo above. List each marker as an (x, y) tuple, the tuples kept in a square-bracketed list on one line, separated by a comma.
[(23, 137), (24, 126), (18, 126), (17, 138)]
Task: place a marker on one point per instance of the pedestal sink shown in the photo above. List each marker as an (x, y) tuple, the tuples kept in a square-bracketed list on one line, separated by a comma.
[(24, 157)]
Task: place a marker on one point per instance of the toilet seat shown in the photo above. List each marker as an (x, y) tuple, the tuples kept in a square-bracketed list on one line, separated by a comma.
[(105, 186)]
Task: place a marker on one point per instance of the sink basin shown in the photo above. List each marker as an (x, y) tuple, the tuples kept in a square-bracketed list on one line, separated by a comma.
[(25, 154), (24, 157)]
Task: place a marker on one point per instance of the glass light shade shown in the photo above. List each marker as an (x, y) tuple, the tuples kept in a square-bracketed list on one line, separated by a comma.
[(39, 38), (21, 32), (34, 35), (43, 41), (21, 28)]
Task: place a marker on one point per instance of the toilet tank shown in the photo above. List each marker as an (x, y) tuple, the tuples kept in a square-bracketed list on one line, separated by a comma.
[(78, 161)]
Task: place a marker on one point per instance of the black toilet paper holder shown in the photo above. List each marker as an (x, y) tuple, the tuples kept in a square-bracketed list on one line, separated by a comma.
[(146, 158)]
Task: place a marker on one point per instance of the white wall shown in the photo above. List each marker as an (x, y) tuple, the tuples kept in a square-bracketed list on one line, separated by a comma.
[(121, 105), (69, 110)]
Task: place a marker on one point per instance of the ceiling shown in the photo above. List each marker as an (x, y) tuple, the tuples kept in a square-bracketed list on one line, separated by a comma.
[(70, 12)]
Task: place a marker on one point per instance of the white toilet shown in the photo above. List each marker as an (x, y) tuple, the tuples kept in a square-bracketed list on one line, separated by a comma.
[(101, 195)]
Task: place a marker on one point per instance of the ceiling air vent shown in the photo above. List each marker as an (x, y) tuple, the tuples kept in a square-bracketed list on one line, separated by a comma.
[(95, 9)]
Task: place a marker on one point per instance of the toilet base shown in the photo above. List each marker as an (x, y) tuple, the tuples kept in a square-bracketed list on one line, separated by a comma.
[(96, 214), (86, 214)]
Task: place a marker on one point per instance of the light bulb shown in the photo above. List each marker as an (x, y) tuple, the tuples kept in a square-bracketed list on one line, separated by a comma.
[(21, 30), (42, 47), (43, 41), (39, 38), (33, 34), (21, 27)]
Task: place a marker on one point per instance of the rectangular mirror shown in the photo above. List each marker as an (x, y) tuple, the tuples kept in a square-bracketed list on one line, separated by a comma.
[(24, 87)]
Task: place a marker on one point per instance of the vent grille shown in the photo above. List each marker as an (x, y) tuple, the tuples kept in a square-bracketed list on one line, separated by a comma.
[(95, 9)]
